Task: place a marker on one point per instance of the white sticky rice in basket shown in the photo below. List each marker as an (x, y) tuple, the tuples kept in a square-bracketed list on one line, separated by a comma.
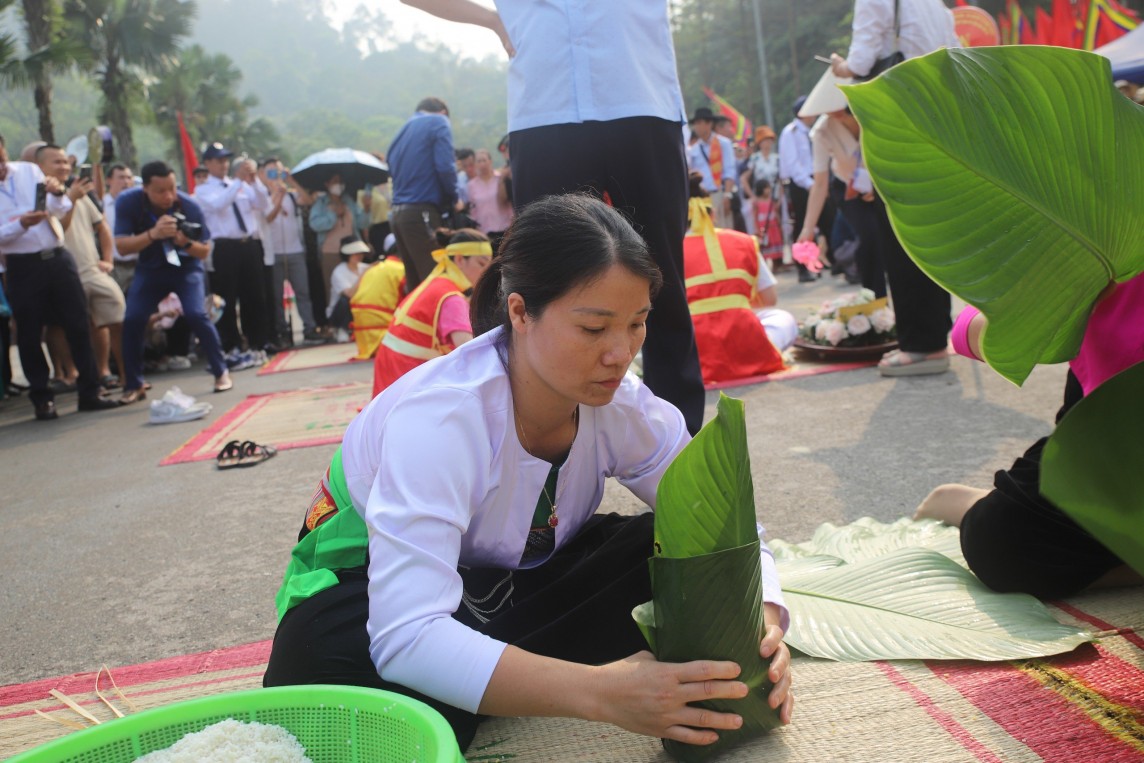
[(232, 741)]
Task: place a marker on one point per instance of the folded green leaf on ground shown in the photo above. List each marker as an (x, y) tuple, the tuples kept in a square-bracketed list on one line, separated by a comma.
[(707, 597), (1012, 177), (1089, 466)]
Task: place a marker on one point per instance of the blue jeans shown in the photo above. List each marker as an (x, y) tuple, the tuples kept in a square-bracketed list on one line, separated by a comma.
[(148, 288)]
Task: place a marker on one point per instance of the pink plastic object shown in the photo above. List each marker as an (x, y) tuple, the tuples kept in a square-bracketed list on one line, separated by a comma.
[(806, 253), (960, 334)]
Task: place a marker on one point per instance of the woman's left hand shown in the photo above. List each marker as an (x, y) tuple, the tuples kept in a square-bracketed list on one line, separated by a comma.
[(773, 646)]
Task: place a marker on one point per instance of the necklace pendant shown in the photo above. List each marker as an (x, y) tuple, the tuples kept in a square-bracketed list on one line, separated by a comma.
[(553, 520)]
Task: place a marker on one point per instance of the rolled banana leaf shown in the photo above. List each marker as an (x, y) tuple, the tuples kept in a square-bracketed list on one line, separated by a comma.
[(707, 592)]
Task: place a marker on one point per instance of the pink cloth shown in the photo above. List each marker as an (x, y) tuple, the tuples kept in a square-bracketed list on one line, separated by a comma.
[(490, 214), (454, 317), (1114, 339)]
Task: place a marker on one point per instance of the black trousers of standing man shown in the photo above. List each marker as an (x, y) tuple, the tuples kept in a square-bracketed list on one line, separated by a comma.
[(239, 279), (641, 165), (43, 288)]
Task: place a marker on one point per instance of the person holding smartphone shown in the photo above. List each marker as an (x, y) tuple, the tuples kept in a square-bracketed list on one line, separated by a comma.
[(43, 281)]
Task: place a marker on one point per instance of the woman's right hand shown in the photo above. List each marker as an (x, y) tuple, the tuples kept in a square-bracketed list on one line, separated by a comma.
[(649, 697), (806, 235)]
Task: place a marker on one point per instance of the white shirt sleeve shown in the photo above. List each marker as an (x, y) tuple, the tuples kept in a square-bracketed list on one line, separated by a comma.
[(873, 25), (415, 521)]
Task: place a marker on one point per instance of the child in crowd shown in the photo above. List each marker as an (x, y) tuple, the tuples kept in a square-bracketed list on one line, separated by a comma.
[(376, 298), (768, 221), (433, 320), (344, 282)]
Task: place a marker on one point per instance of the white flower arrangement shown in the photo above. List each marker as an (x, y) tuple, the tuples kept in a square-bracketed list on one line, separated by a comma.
[(837, 324)]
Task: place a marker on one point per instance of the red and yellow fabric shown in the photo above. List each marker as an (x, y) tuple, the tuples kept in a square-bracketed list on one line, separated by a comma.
[(412, 336), (721, 268), (373, 304)]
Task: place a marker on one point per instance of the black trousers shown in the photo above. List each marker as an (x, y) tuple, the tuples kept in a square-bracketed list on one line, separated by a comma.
[(864, 221), (239, 279), (1015, 540), (920, 305), (48, 291), (576, 606), (640, 163)]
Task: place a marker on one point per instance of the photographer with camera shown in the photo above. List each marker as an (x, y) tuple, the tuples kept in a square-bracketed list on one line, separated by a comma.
[(165, 226)]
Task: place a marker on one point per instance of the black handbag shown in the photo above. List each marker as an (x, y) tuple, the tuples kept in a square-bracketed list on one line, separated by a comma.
[(892, 60)]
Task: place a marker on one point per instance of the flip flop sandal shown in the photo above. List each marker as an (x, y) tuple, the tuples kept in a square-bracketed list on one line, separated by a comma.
[(254, 454), (230, 456), (229, 384)]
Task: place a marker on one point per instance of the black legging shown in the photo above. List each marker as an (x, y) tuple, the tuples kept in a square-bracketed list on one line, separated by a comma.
[(577, 606)]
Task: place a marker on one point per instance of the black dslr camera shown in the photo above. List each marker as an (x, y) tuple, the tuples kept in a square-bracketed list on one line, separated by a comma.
[(193, 231)]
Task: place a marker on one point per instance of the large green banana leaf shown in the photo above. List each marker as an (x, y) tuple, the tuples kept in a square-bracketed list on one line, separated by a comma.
[(1013, 177), (866, 538), (707, 593), (914, 603), (1090, 465)]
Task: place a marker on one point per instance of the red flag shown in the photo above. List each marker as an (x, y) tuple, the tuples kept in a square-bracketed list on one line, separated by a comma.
[(1064, 24), (190, 157), (1044, 32), (739, 123)]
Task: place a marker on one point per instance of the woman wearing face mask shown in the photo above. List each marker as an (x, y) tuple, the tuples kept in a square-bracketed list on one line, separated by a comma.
[(334, 216)]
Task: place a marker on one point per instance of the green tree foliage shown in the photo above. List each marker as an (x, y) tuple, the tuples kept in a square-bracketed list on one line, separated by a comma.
[(204, 88), (128, 39)]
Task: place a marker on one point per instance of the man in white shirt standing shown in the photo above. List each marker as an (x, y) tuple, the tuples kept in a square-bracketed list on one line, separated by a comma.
[(281, 229), (230, 207), (713, 157), (119, 179), (43, 281), (594, 103)]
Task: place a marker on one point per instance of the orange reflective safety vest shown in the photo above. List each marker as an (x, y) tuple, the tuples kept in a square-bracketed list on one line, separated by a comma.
[(721, 268), (373, 304), (412, 336)]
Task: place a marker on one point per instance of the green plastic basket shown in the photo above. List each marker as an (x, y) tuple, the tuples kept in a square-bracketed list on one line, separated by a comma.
[(336, 724)]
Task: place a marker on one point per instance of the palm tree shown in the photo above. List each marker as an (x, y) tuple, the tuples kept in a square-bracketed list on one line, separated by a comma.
[(129, 39), (48, 50), (204, 88)]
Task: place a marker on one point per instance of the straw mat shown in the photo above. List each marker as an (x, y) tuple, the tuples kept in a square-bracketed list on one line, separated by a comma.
[(298, 418), (795, 370), (1084, 706), (311, 357)]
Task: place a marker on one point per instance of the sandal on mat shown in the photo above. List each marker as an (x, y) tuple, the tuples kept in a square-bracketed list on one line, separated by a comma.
[(253, 453), (900, 363)]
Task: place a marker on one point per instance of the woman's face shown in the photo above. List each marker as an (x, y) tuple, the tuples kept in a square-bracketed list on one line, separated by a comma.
[(766, 145), (484, 164), (582, 344)]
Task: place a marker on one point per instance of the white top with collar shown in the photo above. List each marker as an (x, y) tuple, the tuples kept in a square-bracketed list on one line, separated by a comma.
[(435, 468), (926, 25), (217, 197), (18, 197), (589, 60)]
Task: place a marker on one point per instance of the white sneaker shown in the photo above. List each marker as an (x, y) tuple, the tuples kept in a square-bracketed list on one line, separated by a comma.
[(178, 363), (177, 406), (342, 336)]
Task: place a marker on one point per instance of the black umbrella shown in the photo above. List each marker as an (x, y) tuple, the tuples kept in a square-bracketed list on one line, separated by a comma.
[(356, 168)]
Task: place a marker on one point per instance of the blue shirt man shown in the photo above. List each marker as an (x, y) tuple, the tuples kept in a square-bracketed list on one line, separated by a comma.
[(171, 252), (424, 170)]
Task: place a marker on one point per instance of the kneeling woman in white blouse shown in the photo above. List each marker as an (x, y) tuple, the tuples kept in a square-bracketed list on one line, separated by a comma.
[(453, 552)]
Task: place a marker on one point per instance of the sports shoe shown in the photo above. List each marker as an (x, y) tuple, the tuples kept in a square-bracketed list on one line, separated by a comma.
[(342, 336), (242, 361), (177, 406), (179, 363)]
